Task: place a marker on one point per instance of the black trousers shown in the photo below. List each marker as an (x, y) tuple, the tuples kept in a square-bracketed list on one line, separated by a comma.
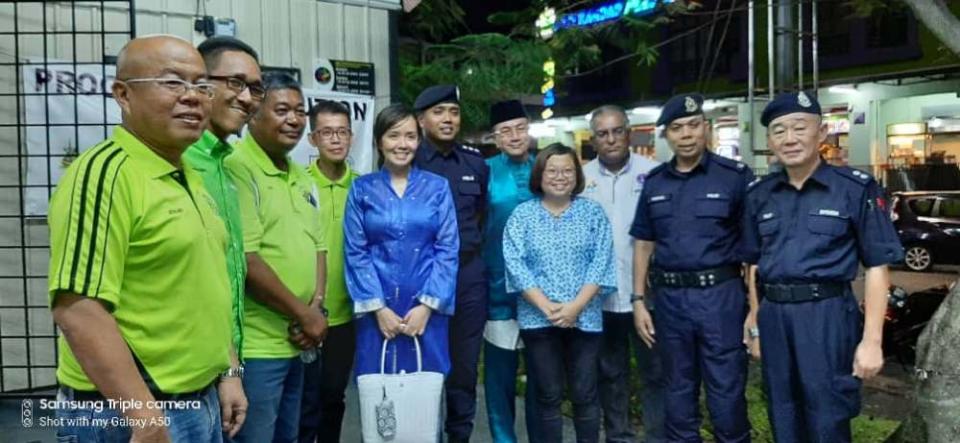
[(466, 338), (324, 382)]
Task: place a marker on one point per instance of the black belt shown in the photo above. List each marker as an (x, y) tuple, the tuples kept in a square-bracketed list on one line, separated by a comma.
[(694, 279), (159, 396), (796, 293)]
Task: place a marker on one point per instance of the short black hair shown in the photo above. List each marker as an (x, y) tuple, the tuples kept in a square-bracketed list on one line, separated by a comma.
[(536, 176), (273, 81), (212, 48), (327, 107), (389, 117)]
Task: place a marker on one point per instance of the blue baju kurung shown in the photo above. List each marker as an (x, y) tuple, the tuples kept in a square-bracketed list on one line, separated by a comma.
[(401, 252)]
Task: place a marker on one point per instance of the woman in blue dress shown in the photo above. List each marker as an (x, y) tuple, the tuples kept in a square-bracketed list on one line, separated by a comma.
[(558, 250), (400, 246)]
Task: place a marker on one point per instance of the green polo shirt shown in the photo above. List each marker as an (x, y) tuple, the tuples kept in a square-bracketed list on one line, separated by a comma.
[(281, 223), (333, 200), (206, 156), (130, 229)]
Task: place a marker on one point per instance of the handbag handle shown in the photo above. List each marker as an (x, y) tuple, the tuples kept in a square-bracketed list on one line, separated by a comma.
[(383, 356)]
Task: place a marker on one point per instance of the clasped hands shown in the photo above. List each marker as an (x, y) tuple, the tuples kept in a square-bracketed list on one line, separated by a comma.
[(413, 324)]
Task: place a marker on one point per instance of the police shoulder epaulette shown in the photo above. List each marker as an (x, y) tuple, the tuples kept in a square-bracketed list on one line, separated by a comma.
[(730, 164), (855, 175), (759, 179), (471, 150), (658, 169)]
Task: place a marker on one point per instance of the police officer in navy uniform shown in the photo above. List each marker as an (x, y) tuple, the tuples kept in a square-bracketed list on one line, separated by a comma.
[(438, 112), (687, 231), (810, 227)]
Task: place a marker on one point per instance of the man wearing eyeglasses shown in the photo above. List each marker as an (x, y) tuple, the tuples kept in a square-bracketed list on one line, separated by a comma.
[(688, 242), (234, 71), (326, 378), (137, 281), (614, 180)]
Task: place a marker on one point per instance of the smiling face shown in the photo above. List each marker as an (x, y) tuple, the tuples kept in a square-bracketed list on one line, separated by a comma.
[(232, 109), (279, 123), (688, 136), (441, 122), (559, 176), (399, 143), (795, 138), (160, 117), (511, 137)]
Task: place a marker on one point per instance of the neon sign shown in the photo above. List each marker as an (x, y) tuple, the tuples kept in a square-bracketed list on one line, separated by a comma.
[(549, 99), (607, 12)]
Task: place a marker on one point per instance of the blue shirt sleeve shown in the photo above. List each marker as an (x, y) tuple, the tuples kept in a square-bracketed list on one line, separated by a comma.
[(601, 270), (363, 284), (877, 239), (439, 291), (519, 276), (642, 229), (749, 235)]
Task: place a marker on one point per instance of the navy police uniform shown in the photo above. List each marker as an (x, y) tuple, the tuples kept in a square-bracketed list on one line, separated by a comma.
[(809, 244), (699, 296), (468, 174)]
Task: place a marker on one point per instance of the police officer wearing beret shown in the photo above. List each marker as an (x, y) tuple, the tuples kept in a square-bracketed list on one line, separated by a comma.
[(438, 112), (809, 227), (688, 245)]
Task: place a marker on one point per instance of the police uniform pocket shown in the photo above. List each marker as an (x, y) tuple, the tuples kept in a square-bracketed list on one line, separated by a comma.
[(713, 206), (846, 393), (660, 206), (768, 225), (469, 188), (827, 222)]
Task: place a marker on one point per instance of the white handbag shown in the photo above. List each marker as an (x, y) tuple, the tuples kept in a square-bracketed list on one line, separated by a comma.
[(400, 408)]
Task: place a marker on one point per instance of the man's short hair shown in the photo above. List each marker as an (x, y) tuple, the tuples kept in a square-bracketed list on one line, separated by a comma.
[(607, 109), (275, 81), (212, 48), (327, 107)]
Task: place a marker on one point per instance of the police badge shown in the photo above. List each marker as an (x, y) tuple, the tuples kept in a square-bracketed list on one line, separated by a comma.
[(803, 100), (690, 104)]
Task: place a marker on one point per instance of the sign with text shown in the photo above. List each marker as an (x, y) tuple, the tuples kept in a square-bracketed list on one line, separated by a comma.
[(344, 76)]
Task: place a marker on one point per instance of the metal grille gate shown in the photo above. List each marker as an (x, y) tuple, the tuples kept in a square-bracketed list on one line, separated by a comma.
[(55, 69)]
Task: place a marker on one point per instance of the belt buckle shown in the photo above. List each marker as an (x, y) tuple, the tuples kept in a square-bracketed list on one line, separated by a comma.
[(712, 278), (703, 280), (815, 291)]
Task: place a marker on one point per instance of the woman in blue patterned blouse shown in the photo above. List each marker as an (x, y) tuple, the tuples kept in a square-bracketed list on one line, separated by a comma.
[(558, 250)]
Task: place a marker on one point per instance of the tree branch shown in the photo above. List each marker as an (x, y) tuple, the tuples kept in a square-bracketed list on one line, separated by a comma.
[(939, 19)]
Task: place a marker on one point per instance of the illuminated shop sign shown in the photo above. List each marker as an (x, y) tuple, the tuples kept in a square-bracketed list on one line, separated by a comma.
[(607, 12)]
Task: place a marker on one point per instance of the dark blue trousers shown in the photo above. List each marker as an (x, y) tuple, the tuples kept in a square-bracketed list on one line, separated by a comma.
[(466, 339), (808, 351), (699, 333)]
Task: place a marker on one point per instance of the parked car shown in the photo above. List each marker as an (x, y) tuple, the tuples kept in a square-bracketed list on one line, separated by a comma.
[(906, 317), (928, 223)]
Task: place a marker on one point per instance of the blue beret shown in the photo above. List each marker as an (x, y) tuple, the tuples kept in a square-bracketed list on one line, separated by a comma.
[(680, 106), (506, 110), (436, 94), (789, 103)]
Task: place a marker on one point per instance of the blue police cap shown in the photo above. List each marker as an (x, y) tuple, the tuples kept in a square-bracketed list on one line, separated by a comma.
[(680, 106), (789, 103), (436, 94), (506, 110)]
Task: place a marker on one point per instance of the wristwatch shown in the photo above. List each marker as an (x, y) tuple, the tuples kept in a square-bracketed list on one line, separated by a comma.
[(234, 372), (636, 297)]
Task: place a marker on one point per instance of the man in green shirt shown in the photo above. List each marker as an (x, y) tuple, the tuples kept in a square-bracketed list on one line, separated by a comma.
[(285, 251), (137, 283), (325, 380)]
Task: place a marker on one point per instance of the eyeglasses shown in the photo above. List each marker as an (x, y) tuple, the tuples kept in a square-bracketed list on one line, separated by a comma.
[(617, 132), (519, 130), (554, 173), (238, 85), (328, 133), (175, 85)]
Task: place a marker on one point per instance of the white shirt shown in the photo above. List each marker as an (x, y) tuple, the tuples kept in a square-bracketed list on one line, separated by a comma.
[(503, 334), (618, 193)]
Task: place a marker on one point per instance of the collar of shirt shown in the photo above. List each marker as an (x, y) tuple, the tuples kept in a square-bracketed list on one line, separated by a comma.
[(324, 182), (153, 164), (385, 175), (211, 148), (703, 165), (820, 176), (430, 152), (259, 156), (624, 170)]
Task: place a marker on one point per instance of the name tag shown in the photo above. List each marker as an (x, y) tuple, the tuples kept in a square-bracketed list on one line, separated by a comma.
[(767, 216), (830, 212), (658, 198), (468, 178), (713, 195)]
